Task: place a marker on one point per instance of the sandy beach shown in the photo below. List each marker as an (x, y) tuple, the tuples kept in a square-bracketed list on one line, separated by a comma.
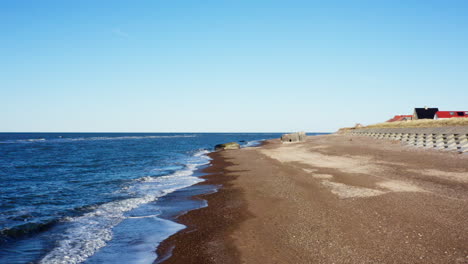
[(330, 199)]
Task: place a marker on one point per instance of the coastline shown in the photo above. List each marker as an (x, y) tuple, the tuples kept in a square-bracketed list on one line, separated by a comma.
[(138, 190), (226, 209), (335, 198)]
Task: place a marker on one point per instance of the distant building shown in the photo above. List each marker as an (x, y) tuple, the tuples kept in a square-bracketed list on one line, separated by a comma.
[(401, 118), (450, 114), (424, 113)]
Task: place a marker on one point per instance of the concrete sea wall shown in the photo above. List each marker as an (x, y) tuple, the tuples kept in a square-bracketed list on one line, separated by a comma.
[(443, 138)]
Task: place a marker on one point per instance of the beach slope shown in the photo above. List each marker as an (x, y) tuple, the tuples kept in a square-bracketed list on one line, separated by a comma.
[(330, 199)]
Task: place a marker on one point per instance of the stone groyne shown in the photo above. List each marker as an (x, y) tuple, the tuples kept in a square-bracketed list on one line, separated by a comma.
[(443, 138)]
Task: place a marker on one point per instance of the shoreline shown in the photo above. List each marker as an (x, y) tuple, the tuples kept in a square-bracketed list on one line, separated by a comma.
[(209, 223), (226, 209), (334, 198)]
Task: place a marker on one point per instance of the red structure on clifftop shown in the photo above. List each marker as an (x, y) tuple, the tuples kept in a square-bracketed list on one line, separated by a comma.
[(450, 114), (401, 118)]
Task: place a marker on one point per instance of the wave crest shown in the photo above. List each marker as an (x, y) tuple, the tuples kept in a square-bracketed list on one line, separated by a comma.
[(91, 231)]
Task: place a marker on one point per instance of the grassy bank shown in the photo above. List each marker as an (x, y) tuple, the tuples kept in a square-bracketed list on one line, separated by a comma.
[(423, 123)]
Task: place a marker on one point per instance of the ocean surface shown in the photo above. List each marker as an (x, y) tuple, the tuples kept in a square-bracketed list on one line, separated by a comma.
[(99, 197)]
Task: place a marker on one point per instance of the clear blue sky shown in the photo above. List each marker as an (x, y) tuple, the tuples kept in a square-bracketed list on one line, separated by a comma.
[(167, 66)]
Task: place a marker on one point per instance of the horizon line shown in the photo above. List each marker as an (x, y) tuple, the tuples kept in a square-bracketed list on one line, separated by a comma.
[(52, 132)]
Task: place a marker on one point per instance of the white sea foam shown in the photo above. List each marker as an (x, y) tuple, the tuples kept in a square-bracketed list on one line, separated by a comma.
[(202, 153), (61, 139), (91, 231), (130, 137), (28, 140), (88, 233), (252, 143), (35, 139)]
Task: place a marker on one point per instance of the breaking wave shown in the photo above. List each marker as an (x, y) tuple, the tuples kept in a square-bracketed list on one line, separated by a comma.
[(88, 233), (64, 139)]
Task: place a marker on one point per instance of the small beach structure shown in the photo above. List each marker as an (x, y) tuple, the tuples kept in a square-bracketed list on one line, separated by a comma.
[(401, 118), (450, 114), (293, 137), (424, 113)]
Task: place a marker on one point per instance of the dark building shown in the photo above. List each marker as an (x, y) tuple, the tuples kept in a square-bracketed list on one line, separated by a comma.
[(424, 113)]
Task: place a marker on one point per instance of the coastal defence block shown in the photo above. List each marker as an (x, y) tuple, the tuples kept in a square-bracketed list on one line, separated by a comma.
[(443, 138), (293, 137)]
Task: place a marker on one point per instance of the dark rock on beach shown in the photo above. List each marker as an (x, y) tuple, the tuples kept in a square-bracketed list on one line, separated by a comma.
[(230, 145)]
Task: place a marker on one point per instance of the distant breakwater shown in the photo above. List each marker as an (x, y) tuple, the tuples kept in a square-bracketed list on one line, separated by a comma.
[(443, 138)]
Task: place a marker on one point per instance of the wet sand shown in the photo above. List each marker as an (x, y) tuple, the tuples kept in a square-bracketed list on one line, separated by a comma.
[(331, 199)]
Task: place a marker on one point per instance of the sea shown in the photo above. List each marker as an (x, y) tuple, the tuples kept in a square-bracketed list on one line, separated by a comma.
[(100, 197)]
